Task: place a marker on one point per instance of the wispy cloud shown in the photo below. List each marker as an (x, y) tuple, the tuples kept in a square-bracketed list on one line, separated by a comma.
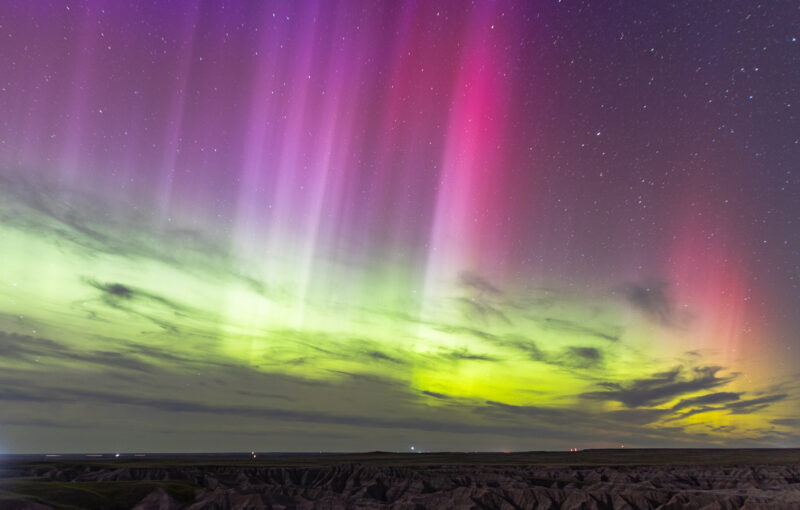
[(479, 284), (746, 406), (466, 355), (578, 329), (36, 204), (654, 301), (711, 398), (754, 404), (660, 387)]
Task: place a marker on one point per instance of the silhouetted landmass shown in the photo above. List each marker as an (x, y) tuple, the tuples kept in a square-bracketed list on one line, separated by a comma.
[(591, 479)]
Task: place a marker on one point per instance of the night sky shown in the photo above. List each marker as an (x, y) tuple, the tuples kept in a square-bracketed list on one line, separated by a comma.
[(361, 225)]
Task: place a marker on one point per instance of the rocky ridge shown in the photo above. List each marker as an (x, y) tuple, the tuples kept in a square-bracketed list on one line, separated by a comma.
[(363, 486)]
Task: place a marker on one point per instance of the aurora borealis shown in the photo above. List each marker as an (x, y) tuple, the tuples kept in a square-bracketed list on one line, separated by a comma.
[(360, 225)]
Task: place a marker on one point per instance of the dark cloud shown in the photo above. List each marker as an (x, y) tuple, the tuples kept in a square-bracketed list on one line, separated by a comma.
[(539, 302), (176, 361), (406, 414), (586, 352), (434, 394), (141, 303), (754, 404), (36, 204), (109, 359), (172, 405), (638, 416), (367, 378), (477, 333), (33, 202), (465, 355), (547, 415), (117, 292), (574, 327), (748, 406), (478, 283), (476, 308), (39, 422), (160, 354), (284, 343), (571, 357), (654, 301), (522, 344), (127, 355), (162, 399), (10, 394), (35, 349), (576, 424), (575, 357), (26, 347), (711, 398), (47, 209), (786, 422), (722, 428), (580, 357), (260, 395), (692, 412), (381, 356), (660, 387), (482, 300)]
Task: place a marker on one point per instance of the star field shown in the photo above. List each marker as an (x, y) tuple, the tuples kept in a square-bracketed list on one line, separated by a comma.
[(362, 225)]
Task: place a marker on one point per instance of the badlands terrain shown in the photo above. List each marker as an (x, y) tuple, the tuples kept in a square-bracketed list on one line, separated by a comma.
[(591, 479)]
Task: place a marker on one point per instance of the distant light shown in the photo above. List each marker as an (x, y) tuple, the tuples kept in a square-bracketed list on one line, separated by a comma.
[(412, 448), (117, 455)]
